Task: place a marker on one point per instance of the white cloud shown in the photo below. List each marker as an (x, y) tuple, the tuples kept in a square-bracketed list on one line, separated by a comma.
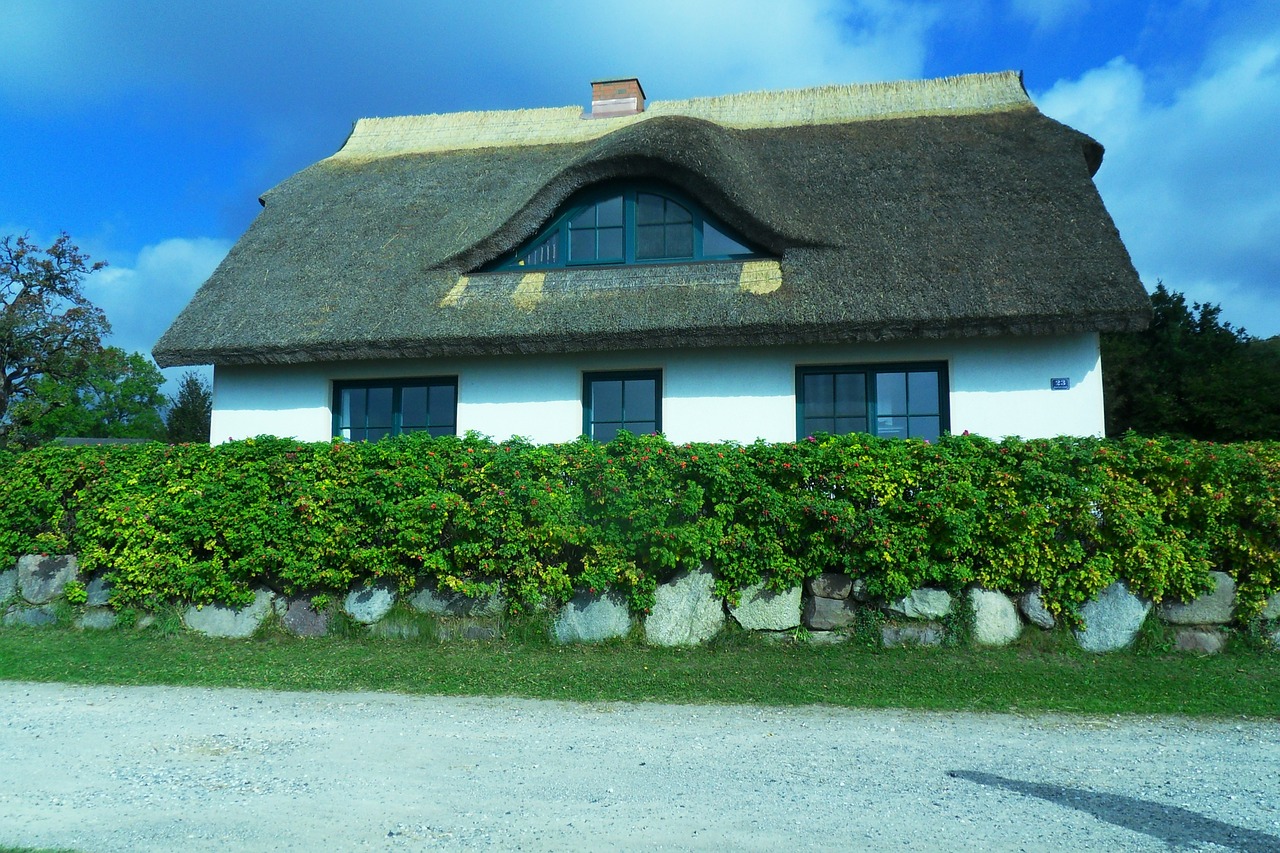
[(390, 50), (143, 299), (1048, 15), (1192, 179)]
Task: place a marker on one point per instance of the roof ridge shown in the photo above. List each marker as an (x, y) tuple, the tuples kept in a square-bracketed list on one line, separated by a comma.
[(965, 94)]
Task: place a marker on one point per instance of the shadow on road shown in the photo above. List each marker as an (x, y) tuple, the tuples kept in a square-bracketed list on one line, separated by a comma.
[(1175, 826)]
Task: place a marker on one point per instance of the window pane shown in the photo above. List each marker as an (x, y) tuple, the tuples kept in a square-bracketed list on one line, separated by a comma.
[(891, 393), (641, 427), (676, 213), (649, 241), (817, 425), (373, 434), (380, 407), (582, 245), (355, 434), (891, 427), (851, 395), (844, 426), (609, 212), (640, 400), (927, 428), (605, 432), (353, 407), (413, 407), (922, 389), (606, 400), (610, 245), (679, 241), (648, 209), (818, 395), (715, 243), (441, 409), (585, 219)]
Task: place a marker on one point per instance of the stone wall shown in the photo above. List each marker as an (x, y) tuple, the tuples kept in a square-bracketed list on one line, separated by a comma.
[(829, 609)]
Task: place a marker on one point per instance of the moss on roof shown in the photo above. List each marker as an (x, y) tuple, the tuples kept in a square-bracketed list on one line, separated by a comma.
[(924, 222)]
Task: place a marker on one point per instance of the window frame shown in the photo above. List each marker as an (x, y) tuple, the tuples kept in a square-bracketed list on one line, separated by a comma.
[(871, 371), (590, 377), (397, 387), (559, 230)]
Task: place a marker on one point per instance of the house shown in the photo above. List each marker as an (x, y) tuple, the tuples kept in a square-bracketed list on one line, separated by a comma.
[(902, 259)]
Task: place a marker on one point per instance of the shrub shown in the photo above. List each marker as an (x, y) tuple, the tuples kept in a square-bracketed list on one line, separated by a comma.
[(198, 524)]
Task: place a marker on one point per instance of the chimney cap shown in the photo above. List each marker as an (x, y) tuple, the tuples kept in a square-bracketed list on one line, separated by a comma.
[(600, 81)]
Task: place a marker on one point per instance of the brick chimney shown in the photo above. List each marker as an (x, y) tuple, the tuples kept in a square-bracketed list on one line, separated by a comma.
[(620, 96)]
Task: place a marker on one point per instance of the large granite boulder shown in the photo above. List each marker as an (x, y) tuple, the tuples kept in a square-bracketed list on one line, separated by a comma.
[(216, 620), (686, 611), (914, 634), (98, 590), (438, 602), (1112, 619), (924, 603), (762, 610), (8, 584), (302, 620), (370, 603), (97, 619), (1272, 610), (41, 578), (1032, 607), (31, 617), (995, 618), (1211, 608), (830, 585), (829, 614), (589, 618), (1206, 641)]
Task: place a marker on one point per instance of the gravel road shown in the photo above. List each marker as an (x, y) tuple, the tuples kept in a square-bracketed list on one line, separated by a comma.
[(154, 768)]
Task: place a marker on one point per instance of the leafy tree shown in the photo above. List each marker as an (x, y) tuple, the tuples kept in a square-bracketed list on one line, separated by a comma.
[(115, 395), (191, 410), (48, 328), (1189, 374)]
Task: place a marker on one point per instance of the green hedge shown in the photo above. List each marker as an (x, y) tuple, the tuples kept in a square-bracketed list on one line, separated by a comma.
[(192, 523)]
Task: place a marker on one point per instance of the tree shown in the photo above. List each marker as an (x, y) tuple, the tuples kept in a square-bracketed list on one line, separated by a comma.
[(1191, 375), (115, 395), (191, 410), (48, 328)]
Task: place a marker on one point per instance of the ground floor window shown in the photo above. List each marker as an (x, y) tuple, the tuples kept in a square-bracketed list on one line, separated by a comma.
[(893, 401), (368, 410), (630, 400)]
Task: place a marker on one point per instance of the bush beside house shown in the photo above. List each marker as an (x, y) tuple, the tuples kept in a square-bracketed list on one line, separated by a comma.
[(1066, 518)]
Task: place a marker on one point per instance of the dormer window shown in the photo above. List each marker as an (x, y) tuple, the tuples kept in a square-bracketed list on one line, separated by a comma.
[(627, 225)]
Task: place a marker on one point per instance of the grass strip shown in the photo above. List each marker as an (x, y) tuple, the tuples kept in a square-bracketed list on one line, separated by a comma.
[(1041, 674)]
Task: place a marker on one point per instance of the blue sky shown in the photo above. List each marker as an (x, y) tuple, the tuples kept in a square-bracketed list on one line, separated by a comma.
[(147, 130)]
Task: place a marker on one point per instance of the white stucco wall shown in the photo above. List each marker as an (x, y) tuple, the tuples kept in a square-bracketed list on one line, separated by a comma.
[(999, 387)]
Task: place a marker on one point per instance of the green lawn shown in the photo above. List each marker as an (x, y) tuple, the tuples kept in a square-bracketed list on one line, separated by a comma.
[(1043, 673)]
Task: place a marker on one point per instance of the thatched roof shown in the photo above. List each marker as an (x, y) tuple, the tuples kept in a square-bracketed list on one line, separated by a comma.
[(928, 209)]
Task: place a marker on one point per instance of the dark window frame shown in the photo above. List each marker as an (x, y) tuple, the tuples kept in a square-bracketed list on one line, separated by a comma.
[(552, 243), (871, 371), (588, 378), (397, 387)]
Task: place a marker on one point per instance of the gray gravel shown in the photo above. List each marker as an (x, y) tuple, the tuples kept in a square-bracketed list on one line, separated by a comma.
[(152, 768)]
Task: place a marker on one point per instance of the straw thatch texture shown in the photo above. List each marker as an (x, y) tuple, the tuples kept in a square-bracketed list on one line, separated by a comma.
[(979, 222)]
